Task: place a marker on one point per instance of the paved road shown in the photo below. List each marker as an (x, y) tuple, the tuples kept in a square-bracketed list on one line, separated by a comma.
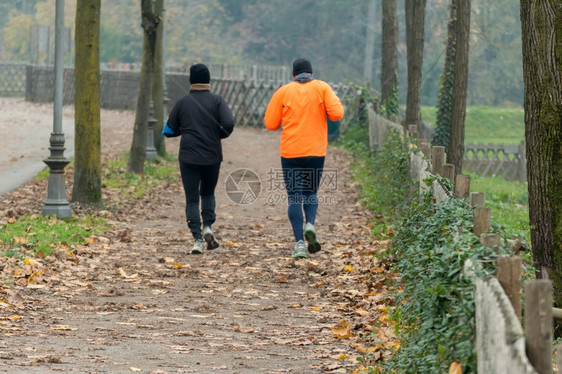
[(25, 129)]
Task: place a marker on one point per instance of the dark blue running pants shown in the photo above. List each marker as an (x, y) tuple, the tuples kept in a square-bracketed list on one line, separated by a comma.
[(302, 177)]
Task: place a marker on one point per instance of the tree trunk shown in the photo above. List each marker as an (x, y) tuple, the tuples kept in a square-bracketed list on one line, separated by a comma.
[(87, 144), (541, 30), (415, 18), (442, 133), (137, 154), (389, 68), (458, 110), (158, 79)]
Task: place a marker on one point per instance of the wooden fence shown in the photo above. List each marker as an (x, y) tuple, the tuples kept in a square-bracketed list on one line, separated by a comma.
[(502, 345)]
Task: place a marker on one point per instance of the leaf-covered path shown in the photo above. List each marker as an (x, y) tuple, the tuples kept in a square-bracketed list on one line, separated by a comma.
[(134, 300)]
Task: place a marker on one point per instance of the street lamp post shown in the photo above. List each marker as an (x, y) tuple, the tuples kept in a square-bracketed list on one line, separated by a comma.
[(166, 99), (56, 203), (150, 149)]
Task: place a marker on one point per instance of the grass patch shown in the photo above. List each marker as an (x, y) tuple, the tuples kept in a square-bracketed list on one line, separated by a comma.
[(116, 176), (43, 235), (485, 124)]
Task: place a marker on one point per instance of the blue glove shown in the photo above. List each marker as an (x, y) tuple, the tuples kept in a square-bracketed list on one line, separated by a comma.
[(168, 132)]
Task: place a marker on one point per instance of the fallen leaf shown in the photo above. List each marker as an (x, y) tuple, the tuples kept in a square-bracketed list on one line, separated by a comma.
[(349, 268), (15, 297), (124, 275), (455, 368), (63, 328), (342, 330)]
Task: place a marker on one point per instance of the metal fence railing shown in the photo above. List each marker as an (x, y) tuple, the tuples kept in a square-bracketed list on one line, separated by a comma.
[(12, 79), (490, 160)]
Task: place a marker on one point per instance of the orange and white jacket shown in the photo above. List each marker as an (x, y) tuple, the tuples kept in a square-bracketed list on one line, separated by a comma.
[(301, 110)]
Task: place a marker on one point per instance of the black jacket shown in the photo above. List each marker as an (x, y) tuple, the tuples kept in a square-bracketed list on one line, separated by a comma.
[(202, 119)]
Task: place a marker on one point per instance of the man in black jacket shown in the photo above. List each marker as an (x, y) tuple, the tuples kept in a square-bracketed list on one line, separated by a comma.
[(202, 119)]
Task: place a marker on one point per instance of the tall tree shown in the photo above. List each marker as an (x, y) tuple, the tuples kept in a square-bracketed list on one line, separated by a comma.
[(415, 19), (458, 105), (137, 154), (87, 144), (389, 65), (158, 80), (445, 99), (370, 43), (541, 30)]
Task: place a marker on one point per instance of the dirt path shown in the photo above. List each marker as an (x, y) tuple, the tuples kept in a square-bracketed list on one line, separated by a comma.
[(134, 300)]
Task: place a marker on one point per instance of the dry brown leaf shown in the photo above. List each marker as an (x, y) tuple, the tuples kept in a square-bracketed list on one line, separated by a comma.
[(15, 297), (63, 328), (124, 275), (455, 368)]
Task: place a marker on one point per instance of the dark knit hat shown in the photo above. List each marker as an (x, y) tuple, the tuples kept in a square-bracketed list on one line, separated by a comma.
[(301, 65), (199, 73)]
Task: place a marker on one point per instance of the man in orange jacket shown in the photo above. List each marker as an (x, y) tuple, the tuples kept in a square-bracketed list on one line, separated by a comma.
[(301, 109)]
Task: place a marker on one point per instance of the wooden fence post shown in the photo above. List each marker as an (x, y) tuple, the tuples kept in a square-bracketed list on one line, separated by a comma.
[(462, 186), (448, 171), (477, 199), (491, 240), (438, 159), (482, 220), (538, 324), (509, 276)]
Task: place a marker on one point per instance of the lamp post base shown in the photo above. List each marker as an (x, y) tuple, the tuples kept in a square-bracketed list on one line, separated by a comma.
[(56, 203), (151, 153)]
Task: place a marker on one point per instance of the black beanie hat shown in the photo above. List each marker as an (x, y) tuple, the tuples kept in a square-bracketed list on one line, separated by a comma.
[(199, 73), (301, 65)]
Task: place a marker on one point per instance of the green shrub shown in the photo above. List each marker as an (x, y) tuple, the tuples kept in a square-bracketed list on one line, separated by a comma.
[(432, 249), (385, 181), (435, 308)]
